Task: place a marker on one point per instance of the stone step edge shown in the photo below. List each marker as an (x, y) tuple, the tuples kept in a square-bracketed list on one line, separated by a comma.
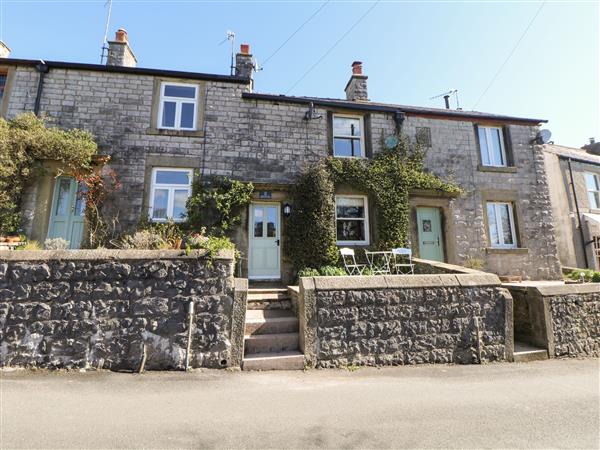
[(257, 337), (280, 355), (254, 320)]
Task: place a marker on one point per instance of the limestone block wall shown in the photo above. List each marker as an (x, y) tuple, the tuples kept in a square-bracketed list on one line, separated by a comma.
[(565, 319), (405, 319), (116, 309)]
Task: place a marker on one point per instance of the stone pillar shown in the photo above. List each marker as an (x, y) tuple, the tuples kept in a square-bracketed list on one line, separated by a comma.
[(4, 50), (356, 89), (119, 51)]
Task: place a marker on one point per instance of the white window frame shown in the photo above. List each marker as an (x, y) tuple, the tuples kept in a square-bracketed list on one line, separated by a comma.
[(365, 220), (178, 106), (499, 227), (592, 199), (361, 138), (488, 138), (171, 188)]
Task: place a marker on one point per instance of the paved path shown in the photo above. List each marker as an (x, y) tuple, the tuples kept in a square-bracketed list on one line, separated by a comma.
[(541, 404)]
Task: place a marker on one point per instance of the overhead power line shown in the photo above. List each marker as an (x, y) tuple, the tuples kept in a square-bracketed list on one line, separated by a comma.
[(514, 49), (295, 32), (330, 49)]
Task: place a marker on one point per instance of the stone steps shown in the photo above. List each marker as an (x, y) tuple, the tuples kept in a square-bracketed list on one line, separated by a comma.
[(526, 352), (274, 361), (271, 331)]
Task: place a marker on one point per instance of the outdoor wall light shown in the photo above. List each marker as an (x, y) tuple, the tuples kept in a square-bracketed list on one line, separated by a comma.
[(287, 210)]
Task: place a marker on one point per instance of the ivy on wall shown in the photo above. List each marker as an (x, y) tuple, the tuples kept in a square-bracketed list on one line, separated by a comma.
[(25, 141), (216, 204), (388, 178)]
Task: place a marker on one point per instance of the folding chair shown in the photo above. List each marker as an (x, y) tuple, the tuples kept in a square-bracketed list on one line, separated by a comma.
[(403, 261), (352, 268)]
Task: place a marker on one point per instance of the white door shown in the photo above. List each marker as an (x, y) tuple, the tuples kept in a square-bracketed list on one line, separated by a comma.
[(264, 240)]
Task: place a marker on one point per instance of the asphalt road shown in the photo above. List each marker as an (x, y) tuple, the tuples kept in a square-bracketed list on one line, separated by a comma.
[(545, 404)]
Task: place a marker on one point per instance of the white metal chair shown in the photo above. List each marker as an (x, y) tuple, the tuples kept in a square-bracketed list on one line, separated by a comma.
[(352, 268), (403, 261)]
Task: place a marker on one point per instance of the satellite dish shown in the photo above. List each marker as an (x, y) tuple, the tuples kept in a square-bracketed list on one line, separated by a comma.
[(543, 136), (391, 142)]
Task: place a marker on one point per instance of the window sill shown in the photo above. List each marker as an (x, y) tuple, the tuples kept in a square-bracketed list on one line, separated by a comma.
[(182, 133), (503, 251), (508, 169)]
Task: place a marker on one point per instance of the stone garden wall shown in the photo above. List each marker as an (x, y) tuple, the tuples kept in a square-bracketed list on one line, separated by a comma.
[(565, 319), (119, 310), (405, 319)]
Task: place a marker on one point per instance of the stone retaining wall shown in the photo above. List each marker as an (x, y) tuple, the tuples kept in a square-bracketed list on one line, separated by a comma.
[(565, 319), (405, 319), (118, 309)]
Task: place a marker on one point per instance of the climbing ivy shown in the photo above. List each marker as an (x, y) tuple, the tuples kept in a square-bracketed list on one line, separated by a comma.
[(388, 178), (25, 141), (216, 204)]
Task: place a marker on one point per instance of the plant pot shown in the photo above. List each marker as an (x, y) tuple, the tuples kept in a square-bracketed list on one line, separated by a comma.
[(177, 243), (13, 239), (2, 239)]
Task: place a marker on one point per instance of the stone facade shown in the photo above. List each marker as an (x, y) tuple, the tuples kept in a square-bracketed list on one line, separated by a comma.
[(119, 310), (268, 141), (407, 319), (564, 319)]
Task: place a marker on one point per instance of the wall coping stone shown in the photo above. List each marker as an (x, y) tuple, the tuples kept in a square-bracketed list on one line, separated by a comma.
[(566, 289), (399, 281), (105, 254), (446, 266)]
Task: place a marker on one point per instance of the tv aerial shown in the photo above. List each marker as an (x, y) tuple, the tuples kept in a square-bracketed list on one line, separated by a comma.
[(446, 96)]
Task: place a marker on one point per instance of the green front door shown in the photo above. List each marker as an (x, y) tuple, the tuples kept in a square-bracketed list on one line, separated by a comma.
[(68, 207), (429, 226)]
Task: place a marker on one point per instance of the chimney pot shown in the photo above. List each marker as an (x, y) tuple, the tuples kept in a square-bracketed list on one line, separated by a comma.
[(245, 49), (357, 68), (121, 35), (592, 140)]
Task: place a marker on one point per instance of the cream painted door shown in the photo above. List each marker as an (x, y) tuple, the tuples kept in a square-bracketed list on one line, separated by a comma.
[(264, 242)]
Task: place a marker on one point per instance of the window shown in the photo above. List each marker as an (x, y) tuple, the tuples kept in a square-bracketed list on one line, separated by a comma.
[(423, 136), (491, 143), (3, 79), (178, 105), (348, 137), (169, 193), (351, 218), (593, 189), (501, 224)]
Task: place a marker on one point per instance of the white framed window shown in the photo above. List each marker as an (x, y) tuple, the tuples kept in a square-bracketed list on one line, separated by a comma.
[(593, 190), (348, 136), (491, 143), (501, 225), (178, 106), (352, 220), (169, 193)]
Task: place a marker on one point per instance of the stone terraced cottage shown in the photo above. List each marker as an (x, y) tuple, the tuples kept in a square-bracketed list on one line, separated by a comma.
[(160, 126)]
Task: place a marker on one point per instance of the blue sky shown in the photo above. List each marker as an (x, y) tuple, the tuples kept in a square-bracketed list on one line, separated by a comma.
[(411, 50)]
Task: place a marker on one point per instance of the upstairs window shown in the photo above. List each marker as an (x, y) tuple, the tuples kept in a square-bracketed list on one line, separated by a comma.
[(501, 225), (3, 78), (593, 190), (352, 221), (178, 106), (348, 137), (169, 193), (491, 143)]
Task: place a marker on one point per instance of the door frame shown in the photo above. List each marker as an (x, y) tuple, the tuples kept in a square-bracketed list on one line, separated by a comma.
[(442, 229), (277, 237)]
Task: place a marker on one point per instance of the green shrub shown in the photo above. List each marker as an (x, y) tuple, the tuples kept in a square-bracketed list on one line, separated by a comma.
[(308, 272), (589, 275), (143, 240), (214, 244), (331, 271)]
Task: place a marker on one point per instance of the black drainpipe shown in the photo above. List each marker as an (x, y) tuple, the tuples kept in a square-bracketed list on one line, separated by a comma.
[(43, 69), (587, 265)]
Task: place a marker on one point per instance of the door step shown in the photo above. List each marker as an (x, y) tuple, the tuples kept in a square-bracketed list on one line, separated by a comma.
[(270, 321), (270, 343), (269, 299), (274, 361), (526, 352)]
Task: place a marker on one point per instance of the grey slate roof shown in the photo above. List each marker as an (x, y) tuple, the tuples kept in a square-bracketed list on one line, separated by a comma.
[(577, 154)]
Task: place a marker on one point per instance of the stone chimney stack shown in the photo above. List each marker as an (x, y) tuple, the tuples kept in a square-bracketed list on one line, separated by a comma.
[(244, 67), (356, 89), (4, 50), (119, 51)]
